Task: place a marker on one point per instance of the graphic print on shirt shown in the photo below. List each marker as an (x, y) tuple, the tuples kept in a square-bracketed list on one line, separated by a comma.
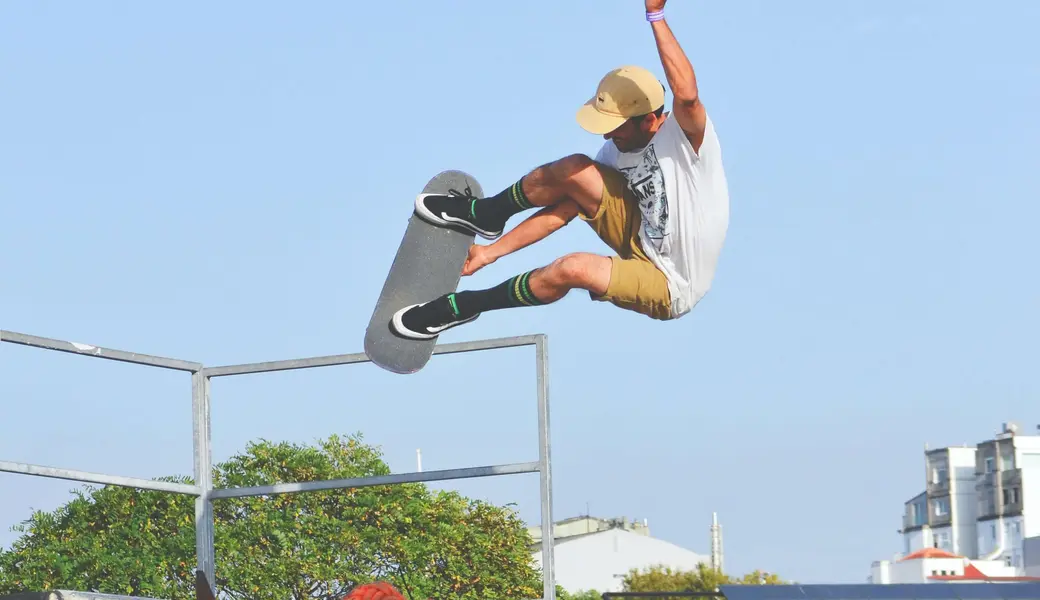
[(647, 182)]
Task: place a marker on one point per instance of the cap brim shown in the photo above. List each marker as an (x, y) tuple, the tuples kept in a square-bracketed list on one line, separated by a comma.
[(593, 121)]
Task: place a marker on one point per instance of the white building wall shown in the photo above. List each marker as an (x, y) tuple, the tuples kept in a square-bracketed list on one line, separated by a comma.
[(964, 500), (1031, 554), (1013, 528), (942, 538), (598, 561), (915, 571), (990, 537), (921, 570), (996, 568), (1027, 458), (1004, 534), (917, 540)]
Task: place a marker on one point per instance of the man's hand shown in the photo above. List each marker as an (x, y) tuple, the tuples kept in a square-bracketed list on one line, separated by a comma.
[(654, 5), (479, 257), (534, 228)]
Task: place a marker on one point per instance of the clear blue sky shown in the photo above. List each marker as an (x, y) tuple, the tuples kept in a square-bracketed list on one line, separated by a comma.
[(229, 182)]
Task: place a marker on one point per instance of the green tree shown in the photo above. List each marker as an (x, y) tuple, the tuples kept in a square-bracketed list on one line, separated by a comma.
[(300, 546), (563, 594), (702, 579)]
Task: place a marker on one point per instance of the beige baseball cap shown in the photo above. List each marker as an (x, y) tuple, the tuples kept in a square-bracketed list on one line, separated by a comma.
[(623, 93)]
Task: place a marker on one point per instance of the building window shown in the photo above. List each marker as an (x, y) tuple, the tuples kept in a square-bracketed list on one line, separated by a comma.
[(990, 464), (1007, 459), (941, 507)]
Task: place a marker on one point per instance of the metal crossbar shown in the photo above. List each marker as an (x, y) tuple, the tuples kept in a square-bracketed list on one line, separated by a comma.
[(203, 489)]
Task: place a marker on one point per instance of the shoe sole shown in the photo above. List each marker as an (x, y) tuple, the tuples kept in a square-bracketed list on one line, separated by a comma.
[(443, 220), (397, 325)]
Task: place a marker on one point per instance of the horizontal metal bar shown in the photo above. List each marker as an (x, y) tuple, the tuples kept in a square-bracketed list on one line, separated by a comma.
[(357, 482), (360, 357), (285, 365), (77, 595), (72, 475), (685, 594), (488, 344), (98, 352)]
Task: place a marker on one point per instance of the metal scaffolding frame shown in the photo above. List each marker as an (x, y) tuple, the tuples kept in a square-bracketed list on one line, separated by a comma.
[(203, 489)]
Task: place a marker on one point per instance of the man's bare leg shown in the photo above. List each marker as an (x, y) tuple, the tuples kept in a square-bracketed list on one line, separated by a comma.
[(538, 287), (580, 270), (563, 188), (573, 177)]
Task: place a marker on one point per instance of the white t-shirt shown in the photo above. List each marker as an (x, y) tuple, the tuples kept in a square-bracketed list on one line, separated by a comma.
[(684, 201)]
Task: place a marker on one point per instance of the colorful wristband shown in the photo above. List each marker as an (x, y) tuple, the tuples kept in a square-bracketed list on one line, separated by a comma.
[(655, 16)]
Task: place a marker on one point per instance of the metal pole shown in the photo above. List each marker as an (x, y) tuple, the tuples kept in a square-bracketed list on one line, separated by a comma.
[(87, 477), (545, 468), (36, 341), (374, 480), (205, 552)]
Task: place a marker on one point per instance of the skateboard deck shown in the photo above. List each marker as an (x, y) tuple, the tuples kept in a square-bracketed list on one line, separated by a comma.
[(428, 264)]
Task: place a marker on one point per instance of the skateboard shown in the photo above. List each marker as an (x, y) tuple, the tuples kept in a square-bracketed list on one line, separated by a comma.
[(428, 264)]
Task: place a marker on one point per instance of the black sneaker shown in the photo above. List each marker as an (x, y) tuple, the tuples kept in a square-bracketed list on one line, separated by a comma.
[(427, 321), (456, 208)]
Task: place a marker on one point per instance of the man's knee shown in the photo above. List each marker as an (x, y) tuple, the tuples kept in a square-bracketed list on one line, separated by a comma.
[(578, 177), (573, 163), (581, 270), (574, 169)]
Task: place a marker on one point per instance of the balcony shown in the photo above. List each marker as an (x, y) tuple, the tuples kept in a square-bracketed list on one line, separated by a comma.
[(938, 475), (989, 504), (912, 521), (939, 488), (1011, 492), (939, 511), (1011, 478), (985, 482)]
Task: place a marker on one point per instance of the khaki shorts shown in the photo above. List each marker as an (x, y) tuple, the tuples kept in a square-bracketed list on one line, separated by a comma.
[(635, 283)]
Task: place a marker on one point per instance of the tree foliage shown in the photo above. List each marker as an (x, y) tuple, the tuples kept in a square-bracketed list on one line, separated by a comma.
[(665, 579), (304, 545), (562, 594), (701, 579)]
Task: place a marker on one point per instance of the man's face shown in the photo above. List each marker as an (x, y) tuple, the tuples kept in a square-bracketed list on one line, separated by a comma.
[(634, 133)]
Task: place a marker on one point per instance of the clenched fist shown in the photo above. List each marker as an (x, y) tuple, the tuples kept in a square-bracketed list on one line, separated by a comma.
[(654, 5)]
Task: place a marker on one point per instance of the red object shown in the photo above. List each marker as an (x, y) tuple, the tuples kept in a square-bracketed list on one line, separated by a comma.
[(379, 590)]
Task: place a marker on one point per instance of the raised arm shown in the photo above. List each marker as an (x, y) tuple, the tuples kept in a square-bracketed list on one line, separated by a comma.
[(686, 103)]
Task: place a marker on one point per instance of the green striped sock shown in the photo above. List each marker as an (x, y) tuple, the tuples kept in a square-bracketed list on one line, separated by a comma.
[(504, 204), (511, 293)]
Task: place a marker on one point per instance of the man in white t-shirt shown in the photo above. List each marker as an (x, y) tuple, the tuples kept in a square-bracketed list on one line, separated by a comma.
[(656, 193)]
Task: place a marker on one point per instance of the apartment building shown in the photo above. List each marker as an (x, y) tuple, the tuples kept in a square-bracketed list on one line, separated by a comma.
[(1007, 489), (979, 502), (943, 515)]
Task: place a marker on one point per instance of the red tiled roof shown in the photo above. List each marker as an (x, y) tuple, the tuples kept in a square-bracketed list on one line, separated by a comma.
[(930, 553)]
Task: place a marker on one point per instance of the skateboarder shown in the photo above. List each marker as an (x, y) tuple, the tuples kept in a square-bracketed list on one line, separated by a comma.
[(656, 193)]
